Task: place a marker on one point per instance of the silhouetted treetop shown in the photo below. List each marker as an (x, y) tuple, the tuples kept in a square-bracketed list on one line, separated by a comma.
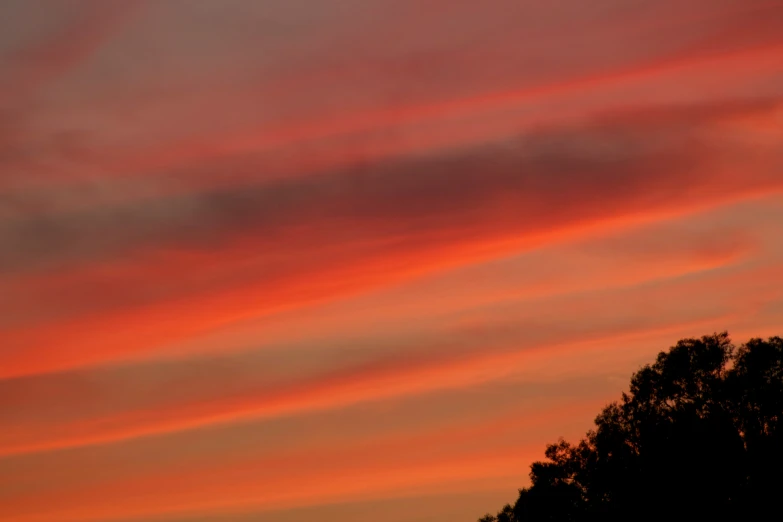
[(697, 436)]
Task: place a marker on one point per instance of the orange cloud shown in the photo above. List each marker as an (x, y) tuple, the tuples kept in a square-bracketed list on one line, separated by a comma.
[(255, 257), (364, 469), (343, 233)]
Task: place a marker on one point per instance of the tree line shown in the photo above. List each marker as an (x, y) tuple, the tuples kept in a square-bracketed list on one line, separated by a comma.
[(698, 436)]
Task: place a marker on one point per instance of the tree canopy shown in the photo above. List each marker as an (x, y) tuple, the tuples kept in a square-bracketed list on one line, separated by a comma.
[(697, 436)]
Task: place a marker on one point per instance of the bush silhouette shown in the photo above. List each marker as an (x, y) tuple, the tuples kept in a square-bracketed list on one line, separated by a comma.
[(698, 436)]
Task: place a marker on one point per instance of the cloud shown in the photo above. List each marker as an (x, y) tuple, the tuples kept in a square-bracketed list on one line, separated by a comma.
[(266, 247), (241, 243), (381, 452), (533, 182), (462, 349), (42, 59)]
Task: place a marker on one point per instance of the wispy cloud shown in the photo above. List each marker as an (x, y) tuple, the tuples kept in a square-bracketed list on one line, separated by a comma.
[(363, 223)]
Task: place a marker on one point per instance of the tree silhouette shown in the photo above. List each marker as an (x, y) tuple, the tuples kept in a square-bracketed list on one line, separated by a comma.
[(698, 436)]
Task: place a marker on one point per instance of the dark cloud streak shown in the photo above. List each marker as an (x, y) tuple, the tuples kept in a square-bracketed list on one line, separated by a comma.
[(544, 179)]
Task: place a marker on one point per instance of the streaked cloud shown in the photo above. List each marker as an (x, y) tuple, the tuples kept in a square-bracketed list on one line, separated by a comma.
[(260, 258)]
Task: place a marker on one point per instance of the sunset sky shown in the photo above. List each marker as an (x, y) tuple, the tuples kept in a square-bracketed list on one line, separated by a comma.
[(351, 260)]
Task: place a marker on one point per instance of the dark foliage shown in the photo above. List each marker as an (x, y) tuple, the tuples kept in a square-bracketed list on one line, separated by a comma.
[(697, 437)]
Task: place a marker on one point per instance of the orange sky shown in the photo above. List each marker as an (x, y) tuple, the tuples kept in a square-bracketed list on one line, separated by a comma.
[(292, 259)]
